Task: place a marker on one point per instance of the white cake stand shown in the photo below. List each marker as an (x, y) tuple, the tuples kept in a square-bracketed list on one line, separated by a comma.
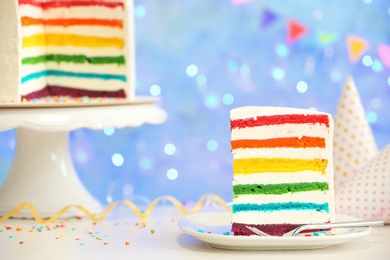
[(42, 172)]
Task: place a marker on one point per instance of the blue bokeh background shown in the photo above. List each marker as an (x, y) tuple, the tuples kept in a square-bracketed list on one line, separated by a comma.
[(203, 58)]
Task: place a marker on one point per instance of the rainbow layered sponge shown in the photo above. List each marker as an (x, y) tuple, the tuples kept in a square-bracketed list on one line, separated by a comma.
[(66, 48), (282, 167)]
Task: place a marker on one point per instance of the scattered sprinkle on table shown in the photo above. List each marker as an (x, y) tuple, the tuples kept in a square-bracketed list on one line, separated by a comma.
[(127, 243), (200, 231), (21, 242), (226, 233)]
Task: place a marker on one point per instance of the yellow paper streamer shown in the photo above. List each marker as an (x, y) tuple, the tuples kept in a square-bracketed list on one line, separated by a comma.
[(131, 205)]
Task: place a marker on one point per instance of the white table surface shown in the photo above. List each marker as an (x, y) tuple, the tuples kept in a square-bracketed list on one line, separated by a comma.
[(83, 239)]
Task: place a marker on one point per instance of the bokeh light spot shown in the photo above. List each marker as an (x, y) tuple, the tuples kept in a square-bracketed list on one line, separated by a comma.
[(109, 130), (228, 99), (367, 1), (335, 75), (172, 174), (117, 159), (282, 50), (377, 66), (329, 51), (245, 69), (201, 79), (278, 73), (145, 163), (211, 100), (192, 70), (372, 117), (318, 15), (388, 81), (302, 86), (128, 189), (155, 90), (81, 156), (232, 66), (212, 145), (376, 103), (11, 144), (140, 11), (170, 149), (367, 60)]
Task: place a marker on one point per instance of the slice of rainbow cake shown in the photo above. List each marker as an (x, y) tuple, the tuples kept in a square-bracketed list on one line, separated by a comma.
[(69, 48), (282, 168)]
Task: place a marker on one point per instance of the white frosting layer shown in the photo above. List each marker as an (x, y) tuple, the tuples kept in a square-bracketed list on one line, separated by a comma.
[(303, 153), (254, 111), (9, 51), (281, 217), (70, 50), (75, 67), (275, 177), (318, 197), (99, 31)]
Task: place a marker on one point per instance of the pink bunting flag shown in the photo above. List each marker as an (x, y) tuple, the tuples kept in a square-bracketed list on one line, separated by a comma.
[(384, 54), (295, 30)]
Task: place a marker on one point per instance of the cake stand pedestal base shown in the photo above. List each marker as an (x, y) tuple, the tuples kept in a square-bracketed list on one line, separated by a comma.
[(42, 163), (42, 172)]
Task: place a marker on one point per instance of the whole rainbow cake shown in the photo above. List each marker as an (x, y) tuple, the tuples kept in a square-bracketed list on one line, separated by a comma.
[(70, 48), (282, 167)]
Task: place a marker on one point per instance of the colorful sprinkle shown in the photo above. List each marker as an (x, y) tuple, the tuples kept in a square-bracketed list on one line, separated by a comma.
[(21, 242), (11, 237), (200, 231), (152, 231), (105, 243), (127, 243), (226, 233)]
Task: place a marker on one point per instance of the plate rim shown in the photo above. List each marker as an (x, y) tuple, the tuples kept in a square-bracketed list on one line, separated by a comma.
[(320, 241)]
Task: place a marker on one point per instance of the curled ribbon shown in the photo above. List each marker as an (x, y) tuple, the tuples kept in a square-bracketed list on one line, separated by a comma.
[(197, 207)]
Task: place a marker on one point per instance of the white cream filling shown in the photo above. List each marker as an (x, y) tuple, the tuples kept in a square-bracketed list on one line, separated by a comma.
[(79, 83), (275, 178), (70, 50), (316, 196), (74, 67), (84, 30), (281, 217), (297, 153), (278, 131)]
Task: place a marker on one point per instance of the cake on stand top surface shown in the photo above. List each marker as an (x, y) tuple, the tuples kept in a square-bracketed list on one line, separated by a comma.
[(72, 116)]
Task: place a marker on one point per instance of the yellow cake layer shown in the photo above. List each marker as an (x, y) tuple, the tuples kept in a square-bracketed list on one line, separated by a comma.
[(282, 165)]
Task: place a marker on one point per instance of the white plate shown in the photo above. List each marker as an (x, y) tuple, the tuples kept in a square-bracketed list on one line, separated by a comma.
[(214, 229)]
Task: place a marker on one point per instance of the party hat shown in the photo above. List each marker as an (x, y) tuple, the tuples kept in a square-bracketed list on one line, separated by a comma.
[(353, 143), (367, 194)]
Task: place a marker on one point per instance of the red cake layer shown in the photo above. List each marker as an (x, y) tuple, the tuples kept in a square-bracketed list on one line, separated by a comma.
[(278, 120), (272, 229), (70, 3), (72, 92)]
